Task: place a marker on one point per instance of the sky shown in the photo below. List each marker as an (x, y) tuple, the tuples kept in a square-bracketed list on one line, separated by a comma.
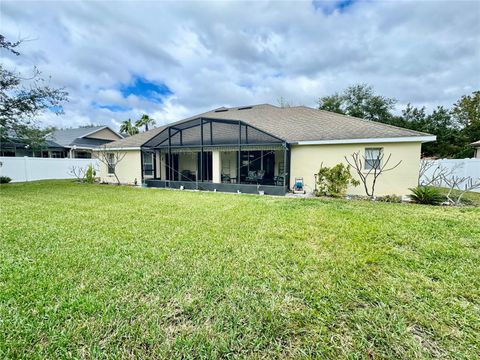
[(171, 60)]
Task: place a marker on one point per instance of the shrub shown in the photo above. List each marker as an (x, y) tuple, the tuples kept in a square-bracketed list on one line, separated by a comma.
[(335, 180), (4, 179), (427, 195), (90, 174), (391, 198)]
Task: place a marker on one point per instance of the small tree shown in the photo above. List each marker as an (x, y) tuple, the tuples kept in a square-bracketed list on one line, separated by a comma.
[(78, 172), (334, 181), (379, 166), (110, 158), (427, 177), (460, 184)]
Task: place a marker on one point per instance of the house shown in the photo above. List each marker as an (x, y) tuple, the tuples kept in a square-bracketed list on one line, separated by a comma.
[(262, 146), (476, 147), (72, 143)]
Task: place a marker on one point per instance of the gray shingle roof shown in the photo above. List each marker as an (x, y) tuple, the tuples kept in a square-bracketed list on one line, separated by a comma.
[(476, 143), (68, 137), (299, 123)]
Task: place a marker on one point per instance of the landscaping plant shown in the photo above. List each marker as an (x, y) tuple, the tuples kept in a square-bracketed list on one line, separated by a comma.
[(427, 195), (334, 181), (381, 165), (4, 179), (390, 199), (90, 174)]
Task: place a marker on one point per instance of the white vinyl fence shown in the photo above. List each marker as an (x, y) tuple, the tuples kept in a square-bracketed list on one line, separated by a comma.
[(31, 168), (460, 168)]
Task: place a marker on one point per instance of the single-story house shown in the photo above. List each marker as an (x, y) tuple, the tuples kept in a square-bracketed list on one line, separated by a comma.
[(262, 147), (476, 147), (64, 143)]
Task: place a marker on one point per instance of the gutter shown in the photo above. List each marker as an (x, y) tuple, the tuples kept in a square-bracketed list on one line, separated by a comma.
[(117, 148), (422, 139)]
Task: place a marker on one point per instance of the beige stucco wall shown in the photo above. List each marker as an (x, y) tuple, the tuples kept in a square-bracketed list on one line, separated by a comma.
[(104, 134), (127, 170), (306, 161)]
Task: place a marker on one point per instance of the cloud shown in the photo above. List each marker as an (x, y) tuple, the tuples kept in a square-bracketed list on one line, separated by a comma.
[(171, 60)]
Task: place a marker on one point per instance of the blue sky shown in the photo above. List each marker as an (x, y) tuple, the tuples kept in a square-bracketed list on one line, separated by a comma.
[(155, 92), (119, 60), (140, 88)]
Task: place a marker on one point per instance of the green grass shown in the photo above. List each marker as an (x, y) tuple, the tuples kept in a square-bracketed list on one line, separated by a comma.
[(96, 271)]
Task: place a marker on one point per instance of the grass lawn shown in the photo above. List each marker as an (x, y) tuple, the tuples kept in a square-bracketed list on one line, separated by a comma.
[(103, 271)]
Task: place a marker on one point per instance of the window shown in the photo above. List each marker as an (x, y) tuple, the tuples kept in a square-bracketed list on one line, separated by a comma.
[(111, 163), (373, 157), (57, 154), (83, 155), (147, 164)]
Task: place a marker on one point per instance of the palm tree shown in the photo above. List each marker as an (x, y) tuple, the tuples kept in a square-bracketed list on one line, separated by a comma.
[(127, 127), (145, 120)]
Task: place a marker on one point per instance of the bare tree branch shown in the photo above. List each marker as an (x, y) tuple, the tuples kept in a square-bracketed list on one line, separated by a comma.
[(78, 172), (437, 176), (461, 184), (110, 158), (379, 167)]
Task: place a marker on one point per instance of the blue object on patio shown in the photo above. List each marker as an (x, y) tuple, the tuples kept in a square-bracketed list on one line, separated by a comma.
[(298, 187)]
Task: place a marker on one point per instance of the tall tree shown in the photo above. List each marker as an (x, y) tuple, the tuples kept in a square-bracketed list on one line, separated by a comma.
[(359, 101), (333, 103), (455, 128), (22, 100), (145, 121), (450, 137), (128, 127), (467, 112)]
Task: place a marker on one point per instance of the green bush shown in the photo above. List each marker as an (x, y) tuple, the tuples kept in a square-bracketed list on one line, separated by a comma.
[(4, 179), (335, 180), (427, 195), (391, 198), (90, 174)]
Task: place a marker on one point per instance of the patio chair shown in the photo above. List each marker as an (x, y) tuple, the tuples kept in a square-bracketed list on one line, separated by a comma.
[(251, 177), (226, 178), (278, 180), (260, 176)]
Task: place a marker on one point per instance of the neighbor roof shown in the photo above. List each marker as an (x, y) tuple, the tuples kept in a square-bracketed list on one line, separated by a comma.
[(70, 137), (292, 124), (476, 144)]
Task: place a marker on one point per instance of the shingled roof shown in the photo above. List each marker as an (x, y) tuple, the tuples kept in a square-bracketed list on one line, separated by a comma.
[(292, 124), (78, 136)]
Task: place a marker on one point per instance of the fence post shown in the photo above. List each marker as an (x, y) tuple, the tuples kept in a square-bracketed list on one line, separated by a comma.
[(25, 162)]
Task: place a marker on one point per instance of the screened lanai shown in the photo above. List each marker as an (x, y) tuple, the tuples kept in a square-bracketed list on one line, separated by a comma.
[(221, 154)]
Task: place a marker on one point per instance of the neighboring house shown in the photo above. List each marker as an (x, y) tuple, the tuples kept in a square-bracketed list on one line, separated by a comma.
[(262, 147), (72, 143), (476, 146)]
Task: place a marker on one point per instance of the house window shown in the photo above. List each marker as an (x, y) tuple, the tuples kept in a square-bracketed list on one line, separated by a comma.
[(83, 155), (372, 158), (111, 164), (147, 164), (57, 154)]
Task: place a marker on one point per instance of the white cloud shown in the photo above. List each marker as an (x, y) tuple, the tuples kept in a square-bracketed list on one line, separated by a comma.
[(211, 54)]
